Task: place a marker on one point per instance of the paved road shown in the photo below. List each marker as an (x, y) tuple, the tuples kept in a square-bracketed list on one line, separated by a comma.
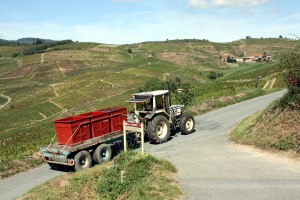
[(209, 166)]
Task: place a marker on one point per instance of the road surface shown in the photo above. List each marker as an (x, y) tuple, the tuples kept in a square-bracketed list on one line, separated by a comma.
[(209, 165)]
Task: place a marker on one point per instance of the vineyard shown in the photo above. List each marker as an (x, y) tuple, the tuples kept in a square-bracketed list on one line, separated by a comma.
[(73, 78)]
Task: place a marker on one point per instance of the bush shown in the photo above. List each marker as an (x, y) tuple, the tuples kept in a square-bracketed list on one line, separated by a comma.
[(15, 54), (29, 51), (157, 84), (291, 99), (220, 74), (212, 75)]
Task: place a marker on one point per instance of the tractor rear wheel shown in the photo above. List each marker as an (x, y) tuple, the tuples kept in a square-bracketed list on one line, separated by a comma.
[(187, 124), (158, 129)]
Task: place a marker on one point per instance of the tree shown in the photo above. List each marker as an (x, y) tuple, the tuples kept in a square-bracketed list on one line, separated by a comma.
[(186, 96), (231, 60), (39, 41), (173, 87), (248, 37), (280, 36), (178, 81)]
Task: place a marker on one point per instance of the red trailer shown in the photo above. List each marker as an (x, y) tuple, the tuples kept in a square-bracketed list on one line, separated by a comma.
[(85, 138)]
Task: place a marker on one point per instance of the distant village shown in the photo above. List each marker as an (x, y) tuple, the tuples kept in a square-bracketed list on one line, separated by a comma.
[(254, 58)]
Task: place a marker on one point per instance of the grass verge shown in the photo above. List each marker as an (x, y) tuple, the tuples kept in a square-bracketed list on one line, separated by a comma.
[(146, 177), (274, 128)]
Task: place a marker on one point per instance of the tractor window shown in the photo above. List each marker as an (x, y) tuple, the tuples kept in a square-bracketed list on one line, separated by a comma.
[(145, 106), (159, 102), (149, 105), (139, 106)]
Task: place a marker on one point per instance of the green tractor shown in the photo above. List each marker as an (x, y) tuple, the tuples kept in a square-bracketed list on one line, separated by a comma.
[(159, 117)]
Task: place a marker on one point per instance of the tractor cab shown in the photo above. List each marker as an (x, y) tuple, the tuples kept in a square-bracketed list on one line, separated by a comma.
[(154, 110), (146, 104)]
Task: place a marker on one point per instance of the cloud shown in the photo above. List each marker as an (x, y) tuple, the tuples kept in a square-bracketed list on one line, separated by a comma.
[(273, 10), (225, 3), (247, 12)]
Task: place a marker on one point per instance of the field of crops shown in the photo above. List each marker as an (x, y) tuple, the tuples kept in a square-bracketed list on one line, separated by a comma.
[(81, 77)]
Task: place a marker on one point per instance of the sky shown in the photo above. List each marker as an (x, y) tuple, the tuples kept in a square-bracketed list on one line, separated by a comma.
[(135, 21)]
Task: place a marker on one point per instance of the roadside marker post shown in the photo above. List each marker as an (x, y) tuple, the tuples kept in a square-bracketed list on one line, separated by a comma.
[(124, 137)]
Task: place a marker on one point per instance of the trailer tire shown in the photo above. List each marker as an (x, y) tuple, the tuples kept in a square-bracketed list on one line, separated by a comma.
[(158, 129), (187, 124), (82, 160), (102, 153)]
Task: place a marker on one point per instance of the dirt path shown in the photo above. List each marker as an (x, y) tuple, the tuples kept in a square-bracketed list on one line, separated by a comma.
[(8, 100), (273, 82), (56, 94), (269, 84), (60, 69), (42, 57), (238, 53)]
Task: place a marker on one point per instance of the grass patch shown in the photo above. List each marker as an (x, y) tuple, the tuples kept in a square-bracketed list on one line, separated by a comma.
[(241, 133), (273, 128), (146, 178), (3, 100), (26, 116), (7, 65)]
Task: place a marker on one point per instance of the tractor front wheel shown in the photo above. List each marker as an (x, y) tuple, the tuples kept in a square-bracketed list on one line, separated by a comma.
[(158, 129), (187, 124)]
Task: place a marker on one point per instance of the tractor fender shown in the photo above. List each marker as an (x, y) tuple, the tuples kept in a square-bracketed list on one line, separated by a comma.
[(153, 114)]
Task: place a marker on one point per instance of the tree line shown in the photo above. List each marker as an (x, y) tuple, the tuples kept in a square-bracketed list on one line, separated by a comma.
[(40, 47)]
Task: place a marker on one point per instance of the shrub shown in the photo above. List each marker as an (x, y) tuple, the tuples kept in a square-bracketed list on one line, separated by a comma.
[(212, 75), (15, 55), (220, 74), (291, 98)]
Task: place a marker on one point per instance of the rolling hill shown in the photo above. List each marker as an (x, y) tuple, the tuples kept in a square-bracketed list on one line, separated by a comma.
[(72, 78)]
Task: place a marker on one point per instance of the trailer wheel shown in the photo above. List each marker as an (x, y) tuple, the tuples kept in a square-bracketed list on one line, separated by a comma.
[(102, 153), (158, 129), (83, 160), (187, 124)]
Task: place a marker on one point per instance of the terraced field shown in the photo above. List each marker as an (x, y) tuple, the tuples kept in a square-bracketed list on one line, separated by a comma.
[(73, 78)]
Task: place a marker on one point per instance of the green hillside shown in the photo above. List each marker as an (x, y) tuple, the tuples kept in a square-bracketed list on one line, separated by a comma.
[(51, 82), (277, 127)]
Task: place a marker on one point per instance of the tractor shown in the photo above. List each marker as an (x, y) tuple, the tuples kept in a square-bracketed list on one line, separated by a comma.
[(159, 117)]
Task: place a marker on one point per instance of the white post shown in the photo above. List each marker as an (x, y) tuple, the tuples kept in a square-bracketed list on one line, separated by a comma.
[(122, 176), (142, 136), (124, 137)]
